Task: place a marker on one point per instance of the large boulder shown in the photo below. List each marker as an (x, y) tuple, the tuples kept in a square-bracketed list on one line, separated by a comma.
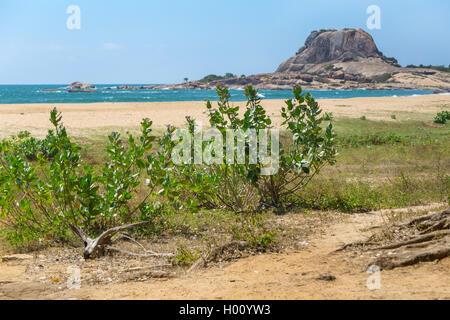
[(332, 46), (80, 85)]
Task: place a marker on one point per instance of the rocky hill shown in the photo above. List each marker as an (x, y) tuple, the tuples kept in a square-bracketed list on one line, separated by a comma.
[(331, 46), (337, 59)]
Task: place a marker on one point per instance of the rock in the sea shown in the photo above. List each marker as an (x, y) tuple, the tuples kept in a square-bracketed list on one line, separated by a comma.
[(80, 85), (439, 91)]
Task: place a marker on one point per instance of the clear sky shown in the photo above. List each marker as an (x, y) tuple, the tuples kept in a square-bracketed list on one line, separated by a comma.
[(145, 41)]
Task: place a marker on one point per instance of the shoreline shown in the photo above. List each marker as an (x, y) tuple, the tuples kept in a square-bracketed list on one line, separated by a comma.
[(41, 94), (243, 100), (80, 118)]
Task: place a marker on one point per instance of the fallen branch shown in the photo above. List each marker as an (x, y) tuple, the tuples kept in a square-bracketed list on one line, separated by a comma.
[(144, 255), (99, 244)]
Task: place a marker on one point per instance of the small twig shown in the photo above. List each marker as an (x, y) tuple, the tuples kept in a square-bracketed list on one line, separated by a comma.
[(146, 255)]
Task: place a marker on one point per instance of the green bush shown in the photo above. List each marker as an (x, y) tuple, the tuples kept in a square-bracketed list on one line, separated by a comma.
[(185, 256), (46, 185), (31, 148), (442, 117), (39, 200), (311, 148)]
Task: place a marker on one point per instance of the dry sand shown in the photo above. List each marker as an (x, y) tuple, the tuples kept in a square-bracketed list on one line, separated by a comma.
[(85, 118), (286, 275)]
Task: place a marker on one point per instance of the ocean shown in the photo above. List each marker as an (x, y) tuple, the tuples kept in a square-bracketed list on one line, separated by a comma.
[(36, 94)]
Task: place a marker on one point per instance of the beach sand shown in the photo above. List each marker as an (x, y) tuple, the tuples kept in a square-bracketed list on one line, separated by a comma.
[(83, 119)]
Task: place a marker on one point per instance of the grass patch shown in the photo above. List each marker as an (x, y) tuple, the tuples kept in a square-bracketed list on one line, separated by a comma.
[(383, 164)]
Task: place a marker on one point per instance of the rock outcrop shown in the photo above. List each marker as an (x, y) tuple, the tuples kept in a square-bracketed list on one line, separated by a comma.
[(81, 86), (327, 46), (336, 59)]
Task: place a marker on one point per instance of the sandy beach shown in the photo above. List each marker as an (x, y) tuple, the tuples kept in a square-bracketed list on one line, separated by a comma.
[(86, 118)]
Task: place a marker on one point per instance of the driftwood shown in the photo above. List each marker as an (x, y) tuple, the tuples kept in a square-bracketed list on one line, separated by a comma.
[(102, 243), (430, 241)]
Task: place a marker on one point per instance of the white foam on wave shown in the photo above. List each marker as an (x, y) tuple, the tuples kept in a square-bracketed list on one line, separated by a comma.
[(260, 95), (43, 91)]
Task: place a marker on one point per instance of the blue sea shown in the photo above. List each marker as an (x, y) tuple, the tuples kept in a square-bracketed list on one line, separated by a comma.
[(36, 94)]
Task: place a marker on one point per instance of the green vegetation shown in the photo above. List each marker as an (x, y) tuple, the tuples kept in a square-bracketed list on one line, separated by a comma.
[(442, 117), (383, 164), (214, 77), (252, 230), (43, 198), (45, 184), (382, 78), (185, 256), (439, 68), (328, 116), (137, 179), (393, 60)]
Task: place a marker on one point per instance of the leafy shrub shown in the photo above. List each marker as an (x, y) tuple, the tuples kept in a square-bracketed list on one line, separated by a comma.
[(328, 116), (40, 200), (312, 147), (31, 148), (442, 117), (185, 256), (46, 186)]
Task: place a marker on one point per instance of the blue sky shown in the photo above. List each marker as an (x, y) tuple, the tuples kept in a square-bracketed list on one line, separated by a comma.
[(138, 41)]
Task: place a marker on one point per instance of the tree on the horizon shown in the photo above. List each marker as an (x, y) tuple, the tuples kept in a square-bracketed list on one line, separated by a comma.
[(186, 79)]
